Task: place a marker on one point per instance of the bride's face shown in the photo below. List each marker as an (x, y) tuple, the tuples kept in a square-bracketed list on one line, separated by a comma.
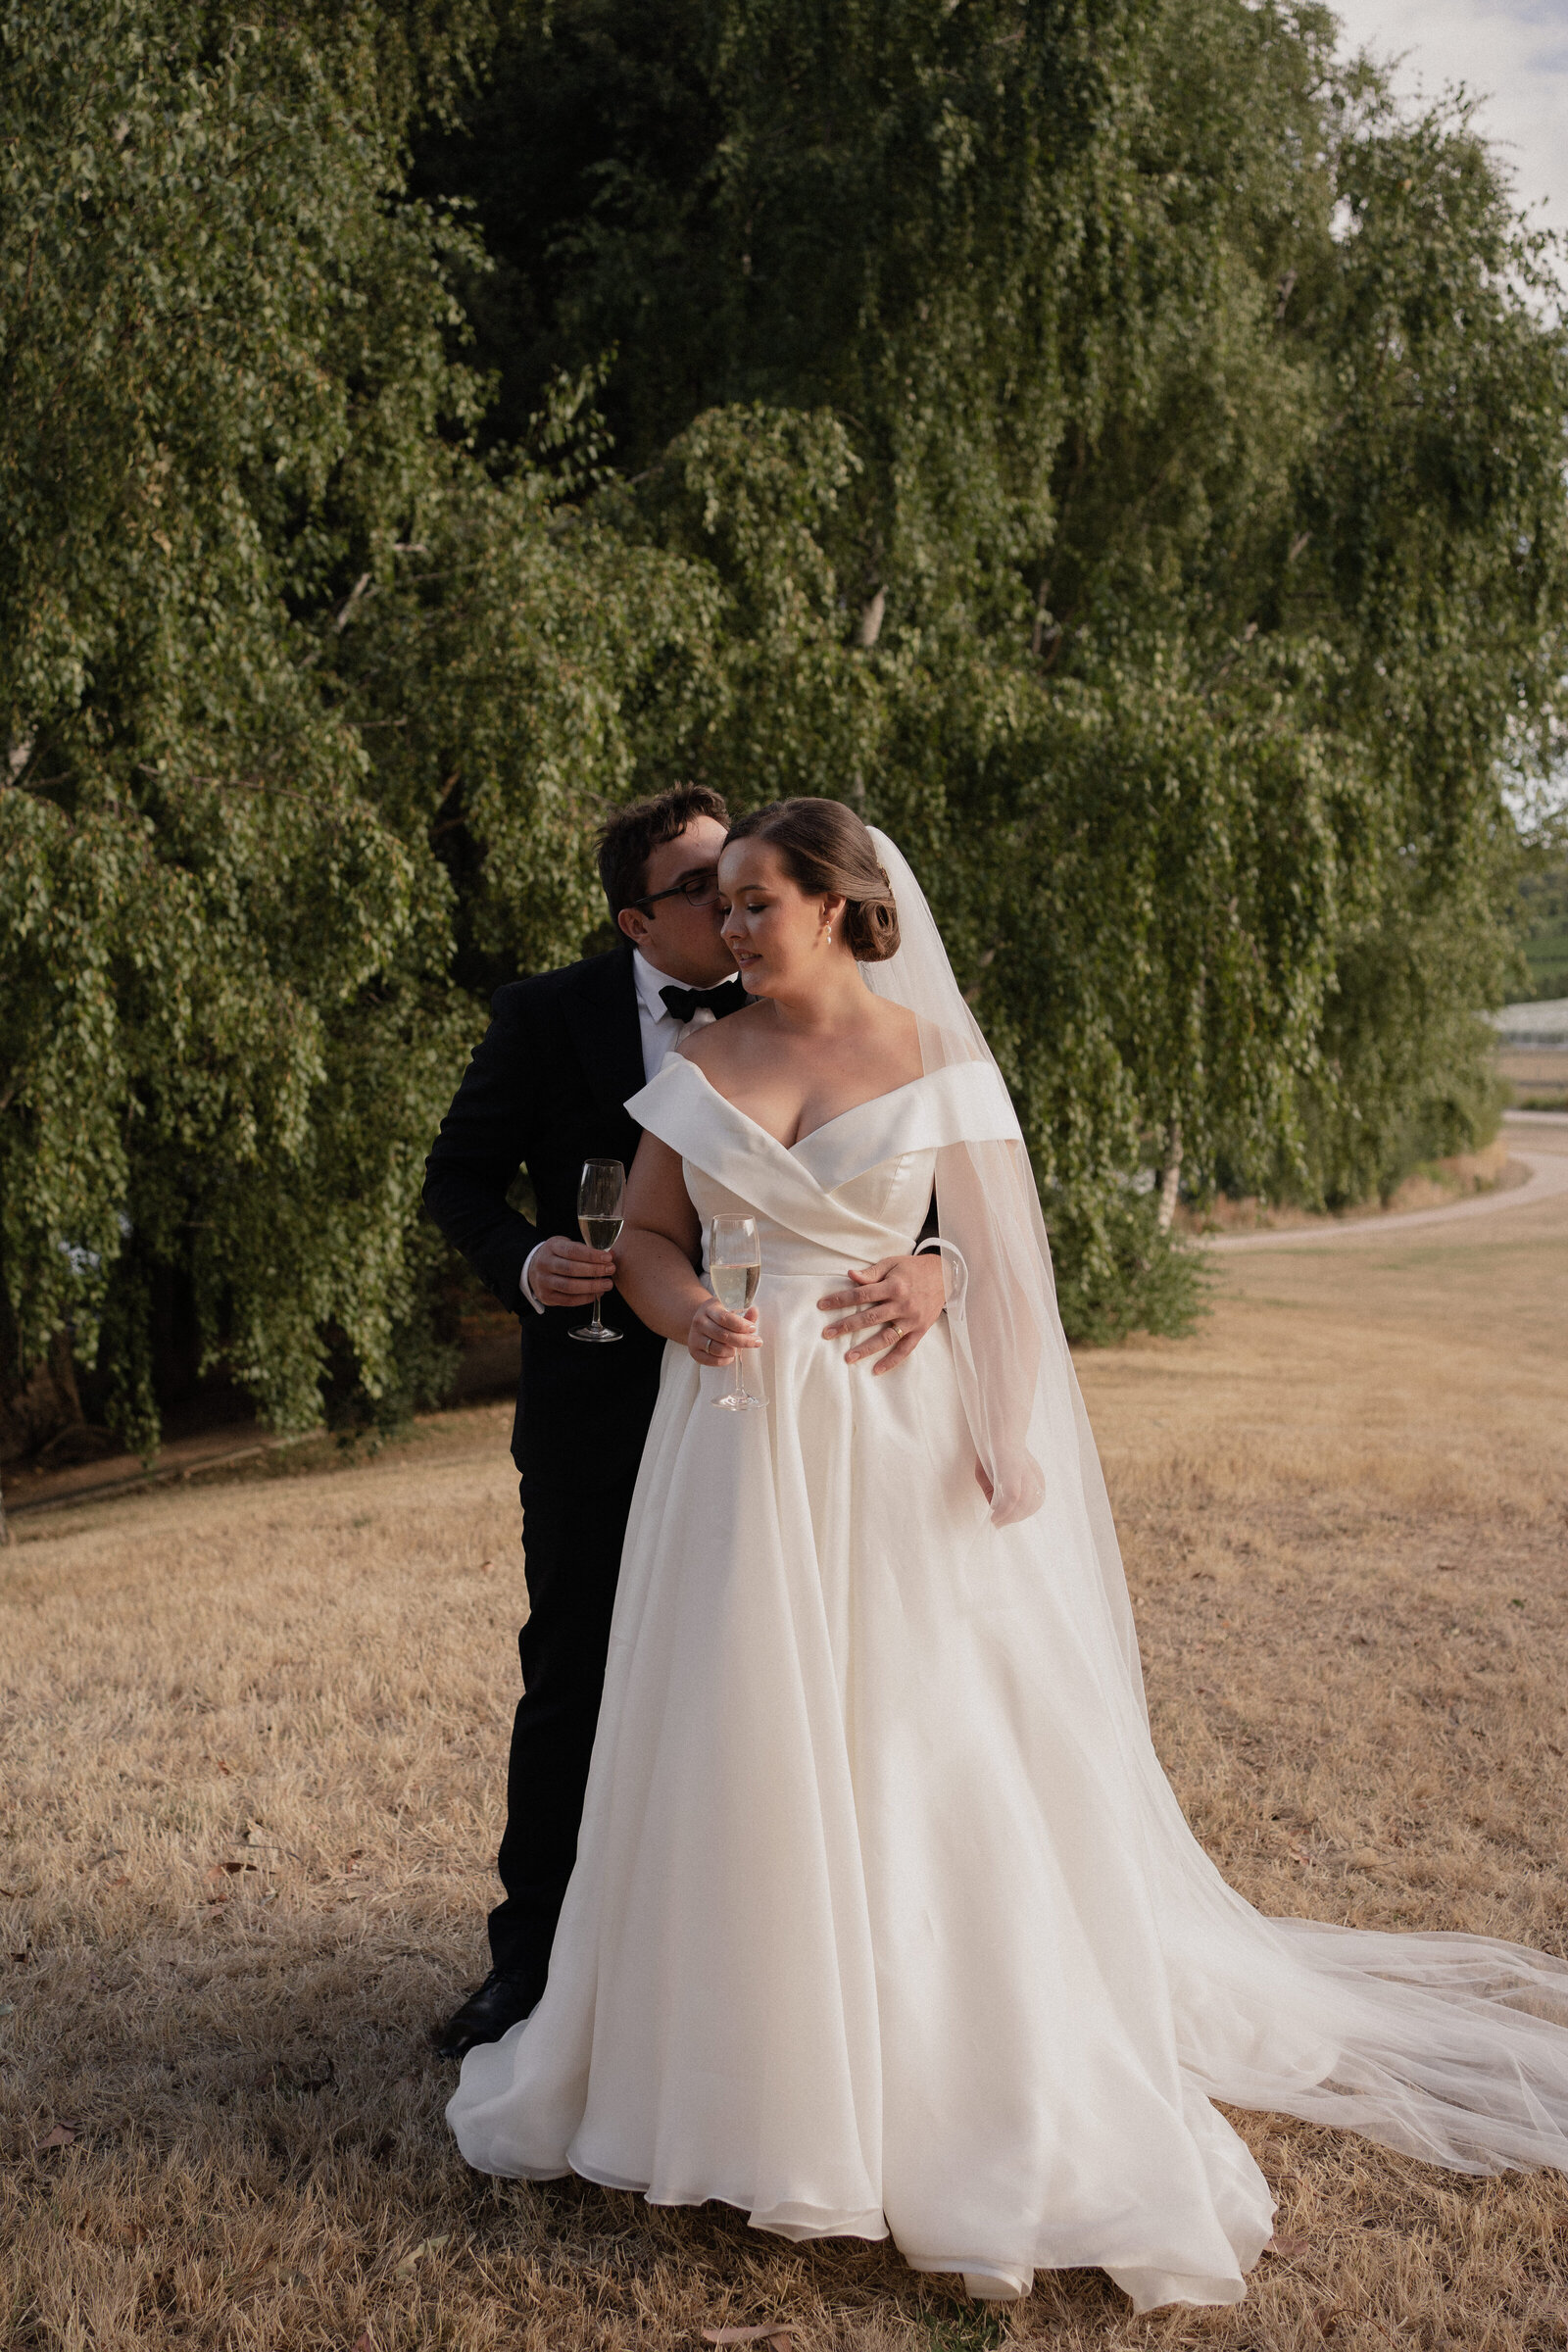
[(780, 937)]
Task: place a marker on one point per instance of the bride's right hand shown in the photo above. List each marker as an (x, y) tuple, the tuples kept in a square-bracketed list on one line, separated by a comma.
[(715, 1335)]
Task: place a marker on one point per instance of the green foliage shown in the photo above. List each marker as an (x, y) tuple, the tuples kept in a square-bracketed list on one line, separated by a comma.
[(230, 430), (1546, 910), (1102, 440), (1542, 907), (1132, 452), (1117, 1272)]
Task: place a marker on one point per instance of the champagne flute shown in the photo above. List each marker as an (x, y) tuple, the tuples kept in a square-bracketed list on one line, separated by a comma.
[(734, 1269), (600, 1198)]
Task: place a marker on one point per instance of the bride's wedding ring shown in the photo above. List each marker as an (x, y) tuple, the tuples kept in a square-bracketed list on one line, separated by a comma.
[(897, 1330)]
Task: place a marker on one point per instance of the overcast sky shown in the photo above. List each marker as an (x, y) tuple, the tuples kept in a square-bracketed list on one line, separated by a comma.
[(1513, 53)]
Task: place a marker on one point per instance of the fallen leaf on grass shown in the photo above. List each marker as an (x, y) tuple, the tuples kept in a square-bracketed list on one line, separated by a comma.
[(60, 2137), (364, 2342), (769, 2334), (485, 1568), (1288, 2249), (427, 2245), (225, 1767), (7, 2008), (231, 1870), (123, 1879)]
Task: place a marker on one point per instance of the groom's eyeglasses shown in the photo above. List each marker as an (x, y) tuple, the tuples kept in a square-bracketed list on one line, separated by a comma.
[(697, 890)]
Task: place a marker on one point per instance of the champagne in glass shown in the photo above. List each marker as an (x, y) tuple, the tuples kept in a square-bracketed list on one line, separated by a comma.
[(601, 1196), (735, 1287), (734, 1269)]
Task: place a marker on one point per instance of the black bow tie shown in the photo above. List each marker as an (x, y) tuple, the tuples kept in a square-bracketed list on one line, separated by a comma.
[(684, 1002)]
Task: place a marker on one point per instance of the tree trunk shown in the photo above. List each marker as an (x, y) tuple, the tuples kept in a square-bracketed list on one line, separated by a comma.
[(1170, 1181)]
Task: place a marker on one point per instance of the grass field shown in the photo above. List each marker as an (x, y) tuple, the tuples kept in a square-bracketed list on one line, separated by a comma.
[(252, 1761)]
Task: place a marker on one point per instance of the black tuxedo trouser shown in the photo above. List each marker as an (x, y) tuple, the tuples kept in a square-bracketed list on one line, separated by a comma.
[(572, 1531)]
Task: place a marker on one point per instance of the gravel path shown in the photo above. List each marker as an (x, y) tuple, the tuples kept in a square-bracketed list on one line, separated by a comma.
[(1547, 1178)]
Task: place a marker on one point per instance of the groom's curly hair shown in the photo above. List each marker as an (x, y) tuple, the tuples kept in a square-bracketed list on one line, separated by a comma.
[(629, 838)]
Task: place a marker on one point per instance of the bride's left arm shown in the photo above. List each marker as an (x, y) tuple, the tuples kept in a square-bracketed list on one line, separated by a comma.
[(657, 1256)]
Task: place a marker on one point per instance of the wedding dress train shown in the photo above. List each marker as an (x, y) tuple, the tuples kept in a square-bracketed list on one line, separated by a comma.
[(885, 1918)]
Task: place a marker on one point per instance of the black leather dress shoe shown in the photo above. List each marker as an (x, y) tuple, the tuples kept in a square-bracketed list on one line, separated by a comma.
[(500, 2002)]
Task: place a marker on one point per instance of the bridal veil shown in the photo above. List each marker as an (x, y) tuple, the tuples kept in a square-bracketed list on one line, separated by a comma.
[(1449, 2047)]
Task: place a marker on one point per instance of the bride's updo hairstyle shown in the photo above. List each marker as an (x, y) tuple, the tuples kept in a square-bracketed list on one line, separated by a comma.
[(827, 852)]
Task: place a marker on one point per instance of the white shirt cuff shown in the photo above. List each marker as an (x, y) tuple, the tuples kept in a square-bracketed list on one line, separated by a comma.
[(522, 1279)]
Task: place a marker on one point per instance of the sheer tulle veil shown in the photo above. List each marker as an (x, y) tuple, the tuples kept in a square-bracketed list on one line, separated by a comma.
[(1019, 1390), (1452, 2047)]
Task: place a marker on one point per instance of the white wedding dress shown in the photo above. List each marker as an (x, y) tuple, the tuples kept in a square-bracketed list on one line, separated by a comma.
[(884, 1918)]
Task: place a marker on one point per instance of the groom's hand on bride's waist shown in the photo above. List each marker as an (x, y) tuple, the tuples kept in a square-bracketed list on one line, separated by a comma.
[(894, 1303), (564, 1273)]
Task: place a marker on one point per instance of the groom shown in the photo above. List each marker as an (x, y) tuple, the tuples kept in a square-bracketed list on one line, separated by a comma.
[(544, 1092)]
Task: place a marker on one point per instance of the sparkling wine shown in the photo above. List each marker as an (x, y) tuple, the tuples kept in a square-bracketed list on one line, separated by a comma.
[(735, 1287), (601, 1195), (734, 1263)]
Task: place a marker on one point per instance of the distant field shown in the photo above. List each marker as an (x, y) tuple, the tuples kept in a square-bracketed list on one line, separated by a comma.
[(250, 1762)]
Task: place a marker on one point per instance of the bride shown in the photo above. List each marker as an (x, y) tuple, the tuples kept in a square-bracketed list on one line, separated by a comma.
[(885, 1918)]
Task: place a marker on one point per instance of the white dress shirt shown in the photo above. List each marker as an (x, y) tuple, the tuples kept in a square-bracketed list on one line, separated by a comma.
[(661, 1033)]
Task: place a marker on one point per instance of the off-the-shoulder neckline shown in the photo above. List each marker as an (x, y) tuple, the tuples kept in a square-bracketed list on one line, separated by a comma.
[(889, 1095)]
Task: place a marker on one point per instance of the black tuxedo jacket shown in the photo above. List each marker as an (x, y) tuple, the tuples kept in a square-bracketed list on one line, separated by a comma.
[(545, 1090)]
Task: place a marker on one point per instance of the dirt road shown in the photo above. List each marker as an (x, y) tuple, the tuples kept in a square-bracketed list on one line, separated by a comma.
[(1538, 1139)]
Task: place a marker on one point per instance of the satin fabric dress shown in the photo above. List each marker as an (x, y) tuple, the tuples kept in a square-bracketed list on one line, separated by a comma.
[(853, 1941)]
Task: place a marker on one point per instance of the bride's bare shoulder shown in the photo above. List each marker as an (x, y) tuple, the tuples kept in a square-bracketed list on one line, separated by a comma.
[(724, 1045), (900, 1035)]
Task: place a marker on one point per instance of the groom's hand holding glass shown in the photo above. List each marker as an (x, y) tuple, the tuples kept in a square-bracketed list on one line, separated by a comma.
[(565, 1273)]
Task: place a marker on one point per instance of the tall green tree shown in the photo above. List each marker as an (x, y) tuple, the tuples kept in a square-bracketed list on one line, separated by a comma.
[(1105, 440), (1189, 566), (232, 449)]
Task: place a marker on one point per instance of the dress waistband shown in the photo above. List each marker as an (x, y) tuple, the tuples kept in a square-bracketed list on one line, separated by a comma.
[(787, 1258)]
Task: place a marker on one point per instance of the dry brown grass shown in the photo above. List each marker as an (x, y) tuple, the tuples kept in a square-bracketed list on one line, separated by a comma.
[(1344, 1514)]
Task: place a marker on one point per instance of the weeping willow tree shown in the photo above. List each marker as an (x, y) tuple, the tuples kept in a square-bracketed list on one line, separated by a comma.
[(1132, 451), (233, 444), (1107, 443)]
